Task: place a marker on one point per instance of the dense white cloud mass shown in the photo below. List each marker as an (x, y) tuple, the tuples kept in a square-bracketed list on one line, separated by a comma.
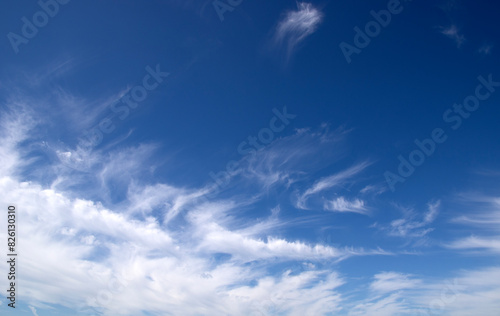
[(118, 259), (197, 258)]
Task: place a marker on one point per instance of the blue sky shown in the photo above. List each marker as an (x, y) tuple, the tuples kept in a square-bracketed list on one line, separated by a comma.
[(231, 157)]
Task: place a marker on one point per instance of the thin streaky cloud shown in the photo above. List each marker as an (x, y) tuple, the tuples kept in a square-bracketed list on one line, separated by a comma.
[(490, 245), (329, 182), (484, 213), (392, 281), (410, 227), (33, 310), (373, 189), (481, 211), (475, 197)]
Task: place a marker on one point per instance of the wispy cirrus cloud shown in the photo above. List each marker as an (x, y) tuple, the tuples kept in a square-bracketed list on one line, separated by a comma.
[(485, 215), (486, 211), (375, 189), (393, 304), (489, 244), (391, 281), (326, 183), (485, 49), (453, 33), (387, 294), (33, 310), (172, 248), (203, 264), (465, 293), (410, 226), (296, 25)]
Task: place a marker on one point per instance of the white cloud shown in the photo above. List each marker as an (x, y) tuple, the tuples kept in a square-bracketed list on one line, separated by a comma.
[(375, 189), (287, 159), (93, 249), (391, 281), (491, 244), (209, 226), (468, 293), (485, 49), (109, 258), (296, 26), (308, 293), (453, 33), (14, 127), (329, 182), (471, 292), (409, 226), (78, 250), (342, 205), (33, 310), (393, 304), (482, 212)]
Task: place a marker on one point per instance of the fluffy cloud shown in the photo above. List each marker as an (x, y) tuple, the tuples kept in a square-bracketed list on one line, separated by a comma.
[(342, 205)]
